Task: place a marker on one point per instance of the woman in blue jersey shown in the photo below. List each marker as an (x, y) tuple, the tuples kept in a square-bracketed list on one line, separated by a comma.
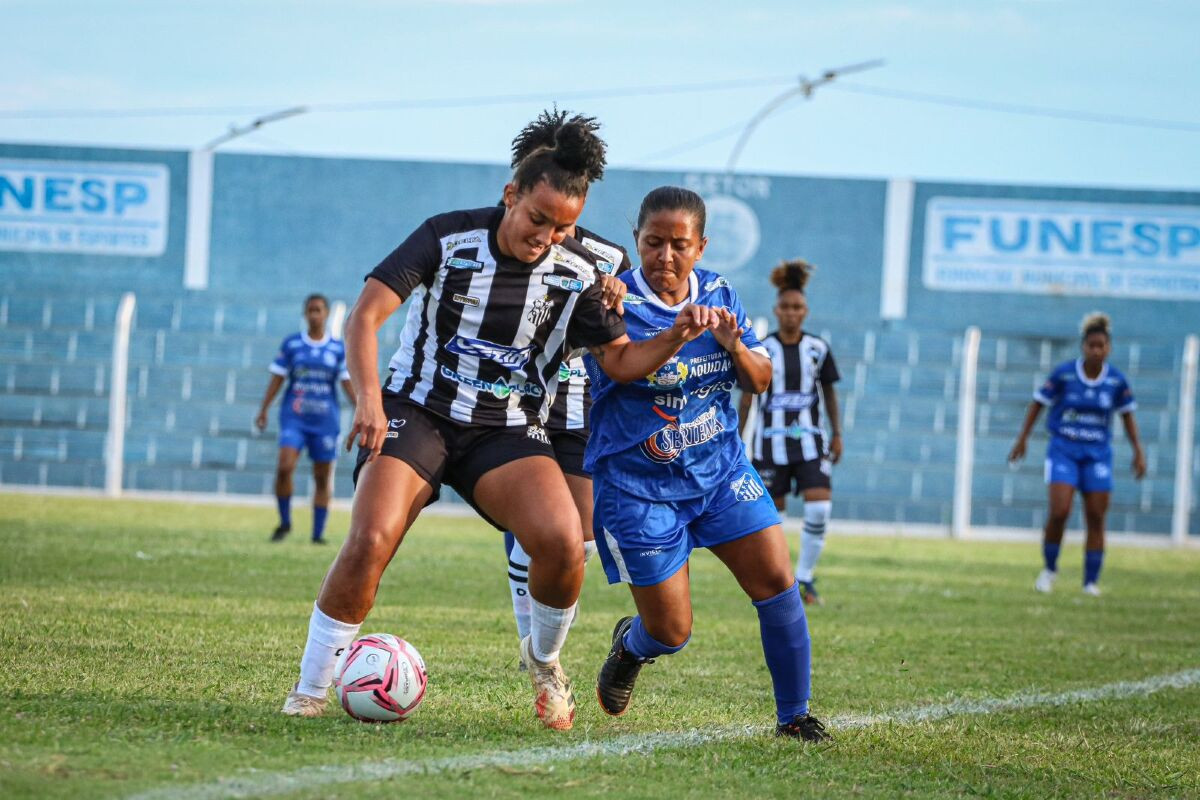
[(313, 365), (670, 474), (1082, 395)]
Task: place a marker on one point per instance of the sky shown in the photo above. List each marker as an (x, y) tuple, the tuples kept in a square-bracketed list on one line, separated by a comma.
[(224, 63)]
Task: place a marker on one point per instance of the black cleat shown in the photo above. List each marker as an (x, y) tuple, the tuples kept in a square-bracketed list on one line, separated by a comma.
[(320, 540), (614, 684), (281, 533), (806, 727)]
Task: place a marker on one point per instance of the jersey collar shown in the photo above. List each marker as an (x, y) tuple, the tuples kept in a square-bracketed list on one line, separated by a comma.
[(316, 342), (1084, 379), (652, 296)]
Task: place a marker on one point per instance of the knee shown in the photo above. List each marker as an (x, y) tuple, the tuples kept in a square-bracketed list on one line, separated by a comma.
[(556, 542), (1058, 516), (367, 547)]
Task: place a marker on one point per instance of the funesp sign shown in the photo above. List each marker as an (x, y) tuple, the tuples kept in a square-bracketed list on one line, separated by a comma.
[(84, 207), (1052, 247)]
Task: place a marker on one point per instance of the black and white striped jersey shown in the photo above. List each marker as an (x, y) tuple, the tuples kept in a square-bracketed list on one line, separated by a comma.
[(788, 428), (485, 335), (573, 403)]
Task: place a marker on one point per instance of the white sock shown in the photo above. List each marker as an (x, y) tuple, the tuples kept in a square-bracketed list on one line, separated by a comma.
[(812, 541), (589, 550), (549, 630), (327, 638), (518, 587)]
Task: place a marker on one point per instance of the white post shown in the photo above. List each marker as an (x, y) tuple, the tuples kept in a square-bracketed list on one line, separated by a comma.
[(897, 236), (964, 459), (114, 446), (1185, 440), (199, 219), (337, 319)]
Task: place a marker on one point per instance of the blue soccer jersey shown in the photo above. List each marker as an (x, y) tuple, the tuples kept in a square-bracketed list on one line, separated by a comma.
[(313, 369), (1081, 408), (673, 434)]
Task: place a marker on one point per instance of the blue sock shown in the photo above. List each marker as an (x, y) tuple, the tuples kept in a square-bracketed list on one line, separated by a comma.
[(786, 646), (285, 510), (1093, 560), (1050, 555), (639, 642), (319, 515)]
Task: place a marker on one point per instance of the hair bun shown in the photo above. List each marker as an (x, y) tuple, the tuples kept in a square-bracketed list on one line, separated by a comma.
[(792, 275), (578, 149)]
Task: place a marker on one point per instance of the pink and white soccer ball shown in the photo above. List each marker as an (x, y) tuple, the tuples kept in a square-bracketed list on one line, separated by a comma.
[(380, 678)]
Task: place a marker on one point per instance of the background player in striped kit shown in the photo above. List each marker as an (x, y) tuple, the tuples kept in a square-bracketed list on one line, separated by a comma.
[(789, 447), (671, 475), (313, 364), (478, 362), (1082, 395), (567, 425)]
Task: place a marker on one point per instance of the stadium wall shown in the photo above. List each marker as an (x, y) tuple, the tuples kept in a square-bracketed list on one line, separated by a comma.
[(1024, 263)]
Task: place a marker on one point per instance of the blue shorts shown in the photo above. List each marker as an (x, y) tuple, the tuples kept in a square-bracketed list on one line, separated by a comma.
[(1087, 467), (321, 444), (644, 542)]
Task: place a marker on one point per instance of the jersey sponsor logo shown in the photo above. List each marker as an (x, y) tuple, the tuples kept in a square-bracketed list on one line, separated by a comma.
[(466, 300), (397, 424), (669, 375), (710, 364), (665, 445), (537, 433), (673, 401), (540, 312), (392, 435), (791, 401), (453, 244), (717, 283), (794, 431), (563, 282), (607, 267), (704, 391), (566, 373), (1075, 416), (634, 300), (505, 356), (501, 389), (746, 489), (464, 263)]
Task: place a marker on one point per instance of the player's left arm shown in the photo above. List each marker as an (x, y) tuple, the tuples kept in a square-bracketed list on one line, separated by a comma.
[(348, 389), (829, 396), (1125, 406), (752, 365)]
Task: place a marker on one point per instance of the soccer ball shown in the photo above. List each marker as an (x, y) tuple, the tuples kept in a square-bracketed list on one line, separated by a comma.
[(380, 678)]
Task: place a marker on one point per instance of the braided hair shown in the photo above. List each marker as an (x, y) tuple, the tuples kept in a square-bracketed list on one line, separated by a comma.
[(562, 150)]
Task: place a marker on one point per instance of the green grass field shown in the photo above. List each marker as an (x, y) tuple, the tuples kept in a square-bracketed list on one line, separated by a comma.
[(147, 649)]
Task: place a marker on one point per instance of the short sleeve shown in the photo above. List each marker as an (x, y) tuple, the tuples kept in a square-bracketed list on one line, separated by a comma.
[(591, 323), (1048, 393), (413, 263), (1123, 398), (829, 372), (282, 364)]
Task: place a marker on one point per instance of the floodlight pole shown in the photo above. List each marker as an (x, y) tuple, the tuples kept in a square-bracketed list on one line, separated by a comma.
[(199, 206), (805, 87)]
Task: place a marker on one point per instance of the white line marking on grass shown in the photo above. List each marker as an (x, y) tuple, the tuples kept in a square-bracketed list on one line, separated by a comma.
[(262, 784)]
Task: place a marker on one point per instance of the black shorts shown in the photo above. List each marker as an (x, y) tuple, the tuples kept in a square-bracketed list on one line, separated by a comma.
[(454, 453), (569, 447), (795, 478)]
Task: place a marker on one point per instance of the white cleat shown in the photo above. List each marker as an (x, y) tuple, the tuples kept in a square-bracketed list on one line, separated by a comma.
[(1091, 590), (554, 701), (1045, 581), (304, 705)]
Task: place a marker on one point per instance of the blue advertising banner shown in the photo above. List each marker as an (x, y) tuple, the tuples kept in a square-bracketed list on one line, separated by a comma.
[(84, 207), (1062, 248)]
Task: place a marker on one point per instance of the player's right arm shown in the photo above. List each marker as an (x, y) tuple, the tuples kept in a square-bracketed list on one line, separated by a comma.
[(273, 385), (1031, 415), (375, 304), (625, 360)]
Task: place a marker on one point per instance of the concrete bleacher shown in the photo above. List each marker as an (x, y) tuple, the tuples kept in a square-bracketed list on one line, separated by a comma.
[(197, 372)]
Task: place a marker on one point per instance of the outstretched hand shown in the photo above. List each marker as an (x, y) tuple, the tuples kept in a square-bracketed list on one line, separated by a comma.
[(727, 332), (694, 320)]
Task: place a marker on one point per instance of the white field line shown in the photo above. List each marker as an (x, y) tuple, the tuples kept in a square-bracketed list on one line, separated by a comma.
[(263, 784)]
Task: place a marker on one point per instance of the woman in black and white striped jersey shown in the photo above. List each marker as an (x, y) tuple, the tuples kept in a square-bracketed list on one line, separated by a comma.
[(790, 451), (499, 294)]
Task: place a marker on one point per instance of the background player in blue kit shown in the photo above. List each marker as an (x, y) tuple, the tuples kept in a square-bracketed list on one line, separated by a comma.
[(790, 450), (1082, 394), (670, 474), (567, 424), (313, 363)]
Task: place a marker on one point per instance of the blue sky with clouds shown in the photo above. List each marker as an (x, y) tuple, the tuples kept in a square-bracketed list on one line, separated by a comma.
[(1106, 58)]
